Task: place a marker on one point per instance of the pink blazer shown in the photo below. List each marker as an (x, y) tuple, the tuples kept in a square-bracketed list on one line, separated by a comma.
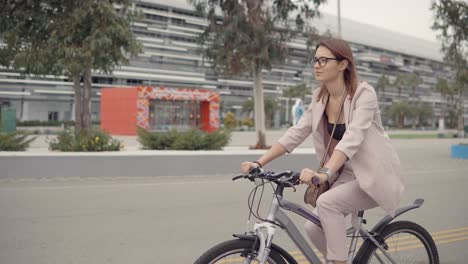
[(372, 157)]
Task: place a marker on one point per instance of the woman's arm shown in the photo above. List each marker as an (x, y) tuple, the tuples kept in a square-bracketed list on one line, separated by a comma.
[(275, 151)]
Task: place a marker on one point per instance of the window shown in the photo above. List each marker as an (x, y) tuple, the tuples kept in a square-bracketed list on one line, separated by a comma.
[(53, 116)]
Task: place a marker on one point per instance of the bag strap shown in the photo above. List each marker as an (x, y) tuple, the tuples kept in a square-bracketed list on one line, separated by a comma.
[(322, 163)]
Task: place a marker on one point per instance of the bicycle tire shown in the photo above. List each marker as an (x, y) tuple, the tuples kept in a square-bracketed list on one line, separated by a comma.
[(234, 247), (397, 227)]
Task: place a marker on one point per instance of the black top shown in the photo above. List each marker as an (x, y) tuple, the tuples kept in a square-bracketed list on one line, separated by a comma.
[(339, 130)]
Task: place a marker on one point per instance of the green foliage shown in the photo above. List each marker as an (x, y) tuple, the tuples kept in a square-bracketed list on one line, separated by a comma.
[(451, 20), (69, 38), (64, 37), (247, 122), (155, 140), (403, 81), (252, 36), (15, 141), (270, 105), (230, 121), (300, 91), (398, 111), (89, 141), (247, 38), (192, 139), (383, 82), (419, 112)]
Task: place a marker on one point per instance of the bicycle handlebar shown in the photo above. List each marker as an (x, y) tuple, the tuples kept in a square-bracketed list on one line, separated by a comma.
[(285, 178)]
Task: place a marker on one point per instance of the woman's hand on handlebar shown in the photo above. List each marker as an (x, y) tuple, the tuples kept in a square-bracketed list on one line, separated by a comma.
[(307, 176), (246, 166)]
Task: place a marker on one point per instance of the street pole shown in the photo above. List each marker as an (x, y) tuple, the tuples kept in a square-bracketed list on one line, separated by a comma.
[(339, 19)]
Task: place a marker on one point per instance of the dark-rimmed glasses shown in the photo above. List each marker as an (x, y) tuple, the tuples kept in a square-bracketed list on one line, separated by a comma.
[(322, 61)]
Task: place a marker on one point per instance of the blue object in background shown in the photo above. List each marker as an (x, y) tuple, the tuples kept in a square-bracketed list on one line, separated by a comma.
[(460, 151), (7, 119)]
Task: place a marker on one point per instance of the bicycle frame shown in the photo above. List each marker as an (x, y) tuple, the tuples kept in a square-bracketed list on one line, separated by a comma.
[(265, 231)]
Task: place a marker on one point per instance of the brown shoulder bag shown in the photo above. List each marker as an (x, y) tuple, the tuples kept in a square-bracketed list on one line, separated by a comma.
[(314, 191)]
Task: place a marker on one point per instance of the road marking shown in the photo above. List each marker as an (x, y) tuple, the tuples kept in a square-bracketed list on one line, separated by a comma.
[(440, 238)]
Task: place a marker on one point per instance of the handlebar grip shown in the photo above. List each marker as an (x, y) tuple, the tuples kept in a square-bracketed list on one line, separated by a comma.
[(315, 180), (238, 177)]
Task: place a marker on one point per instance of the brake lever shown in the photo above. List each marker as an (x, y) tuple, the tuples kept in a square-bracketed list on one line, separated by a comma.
[(289, 184)]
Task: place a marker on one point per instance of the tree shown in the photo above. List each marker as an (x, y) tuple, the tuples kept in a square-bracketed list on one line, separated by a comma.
[(424, 112), (400, 82), (230, 121), (72, 38), (382, 83), (270, 105), (451, 20), (445, 90), (252, 35), (297, 91), (413, 81), (398, 111)]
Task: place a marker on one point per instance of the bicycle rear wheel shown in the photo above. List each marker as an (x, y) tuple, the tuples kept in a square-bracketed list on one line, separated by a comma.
[(236, 251), (405, 242)]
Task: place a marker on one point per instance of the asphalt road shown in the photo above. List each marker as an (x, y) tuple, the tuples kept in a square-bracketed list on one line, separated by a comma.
[(175, 219)]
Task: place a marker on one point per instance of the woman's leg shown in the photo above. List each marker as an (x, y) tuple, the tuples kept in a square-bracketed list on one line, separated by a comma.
[(316, 235), (314, 232), (332, 207)]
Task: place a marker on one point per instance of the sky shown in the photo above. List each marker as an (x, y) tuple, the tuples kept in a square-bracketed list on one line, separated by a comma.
[(411, 17)]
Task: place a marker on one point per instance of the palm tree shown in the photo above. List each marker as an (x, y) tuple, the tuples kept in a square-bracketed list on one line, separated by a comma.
[(398, 111), (444, 89), (400, 82), (424, 112), (413, 81), (382, 83), (299, 91)]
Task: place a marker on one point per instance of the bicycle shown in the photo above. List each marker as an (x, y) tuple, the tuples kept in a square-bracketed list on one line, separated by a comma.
[(378, 246)]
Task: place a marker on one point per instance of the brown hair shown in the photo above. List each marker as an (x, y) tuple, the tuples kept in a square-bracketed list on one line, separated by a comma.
[(342, 51)]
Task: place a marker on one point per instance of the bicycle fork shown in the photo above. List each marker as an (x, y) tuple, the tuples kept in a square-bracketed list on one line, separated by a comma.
[(265, 232)]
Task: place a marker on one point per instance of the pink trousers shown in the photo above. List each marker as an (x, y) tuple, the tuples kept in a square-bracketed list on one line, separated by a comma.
[(344, 197)]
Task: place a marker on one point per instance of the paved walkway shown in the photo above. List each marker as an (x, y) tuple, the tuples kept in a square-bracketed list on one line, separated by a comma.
[(239, 140)]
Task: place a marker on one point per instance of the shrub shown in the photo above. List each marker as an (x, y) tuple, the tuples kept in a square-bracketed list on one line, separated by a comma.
[(155, 140), (192, 139), (92, 141), (15, 141), (230, 120), (248, 122)]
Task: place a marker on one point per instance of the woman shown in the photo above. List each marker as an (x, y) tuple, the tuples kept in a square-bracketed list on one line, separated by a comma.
[(362, 167)]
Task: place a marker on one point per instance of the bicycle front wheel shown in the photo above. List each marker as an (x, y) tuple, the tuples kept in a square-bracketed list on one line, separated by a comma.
[(405, 242), (236, 251)]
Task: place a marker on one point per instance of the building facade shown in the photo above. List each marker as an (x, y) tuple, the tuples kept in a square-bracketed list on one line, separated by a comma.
[(171, 59)]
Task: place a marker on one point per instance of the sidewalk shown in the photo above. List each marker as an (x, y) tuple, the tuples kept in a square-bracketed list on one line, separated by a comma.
[(41, 163), (239, 141)]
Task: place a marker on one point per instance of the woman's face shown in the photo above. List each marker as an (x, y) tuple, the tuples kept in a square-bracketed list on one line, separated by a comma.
[(327, 68)]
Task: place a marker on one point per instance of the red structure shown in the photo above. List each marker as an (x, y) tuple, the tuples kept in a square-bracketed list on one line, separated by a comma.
[(158, 109)]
